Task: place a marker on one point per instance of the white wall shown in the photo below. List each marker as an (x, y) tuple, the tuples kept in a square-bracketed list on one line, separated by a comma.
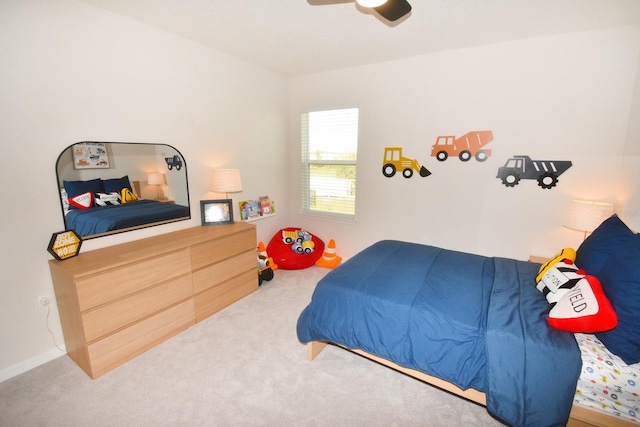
[(565, 97), (71, 72), (628, 195)]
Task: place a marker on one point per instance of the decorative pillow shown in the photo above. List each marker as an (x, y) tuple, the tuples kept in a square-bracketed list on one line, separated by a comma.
[(605, 240), (566, 253), (65, 200), (558, 280), (620, 277), (104, 199), (126, 196), (75, 188), (81, 201), (585, 308), (292, 250), (117, 184)]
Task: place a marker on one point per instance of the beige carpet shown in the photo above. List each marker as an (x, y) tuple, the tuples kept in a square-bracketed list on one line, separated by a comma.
[(241, 367)]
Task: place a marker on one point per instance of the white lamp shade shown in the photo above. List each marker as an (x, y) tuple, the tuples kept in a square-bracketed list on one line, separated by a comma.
[(587, 215), (155, 179), (225, 181), (371, 3)]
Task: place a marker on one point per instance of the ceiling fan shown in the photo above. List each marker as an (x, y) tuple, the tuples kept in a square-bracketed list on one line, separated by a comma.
[(391, 10)]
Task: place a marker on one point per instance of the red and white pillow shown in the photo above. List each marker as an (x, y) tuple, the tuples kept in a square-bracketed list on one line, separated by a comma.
[(584, 308), (82, 200), (578, 302)]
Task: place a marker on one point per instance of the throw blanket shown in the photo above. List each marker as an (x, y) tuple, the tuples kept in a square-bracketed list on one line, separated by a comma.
[(474, 321)]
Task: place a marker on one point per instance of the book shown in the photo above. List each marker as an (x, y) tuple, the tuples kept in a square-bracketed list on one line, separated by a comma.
[(265, 205), (249, 209)]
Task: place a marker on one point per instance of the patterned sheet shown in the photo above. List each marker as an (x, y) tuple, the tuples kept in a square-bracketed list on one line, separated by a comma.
[(606, 383)]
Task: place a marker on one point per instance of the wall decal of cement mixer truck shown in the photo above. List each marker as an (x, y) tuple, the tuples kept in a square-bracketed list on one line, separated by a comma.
[(546, 172), (394, 161), (468, 145)]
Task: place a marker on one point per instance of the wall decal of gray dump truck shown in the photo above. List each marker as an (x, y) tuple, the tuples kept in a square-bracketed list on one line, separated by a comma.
[(173, 162), (546, 172)]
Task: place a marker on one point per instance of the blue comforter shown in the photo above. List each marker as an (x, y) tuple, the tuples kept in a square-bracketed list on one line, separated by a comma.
[(86, 222), (474, 321)]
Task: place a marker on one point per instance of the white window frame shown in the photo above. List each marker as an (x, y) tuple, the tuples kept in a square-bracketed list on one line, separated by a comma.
[(307, 163)]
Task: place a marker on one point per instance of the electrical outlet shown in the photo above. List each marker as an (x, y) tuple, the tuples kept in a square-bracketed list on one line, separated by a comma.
[(44, 304)]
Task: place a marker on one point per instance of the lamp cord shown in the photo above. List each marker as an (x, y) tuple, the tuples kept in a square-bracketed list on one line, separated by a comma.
[(50, 331)]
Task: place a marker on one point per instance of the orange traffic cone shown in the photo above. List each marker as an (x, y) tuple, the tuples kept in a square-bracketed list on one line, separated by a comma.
[(329, 258), (262, 251)]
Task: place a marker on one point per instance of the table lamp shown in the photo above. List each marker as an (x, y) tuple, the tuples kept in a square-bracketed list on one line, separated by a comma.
[(586, 215), (225, 181), (156, 179)]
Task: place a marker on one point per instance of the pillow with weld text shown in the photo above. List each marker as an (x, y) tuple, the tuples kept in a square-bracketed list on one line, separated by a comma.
[(584, 308)]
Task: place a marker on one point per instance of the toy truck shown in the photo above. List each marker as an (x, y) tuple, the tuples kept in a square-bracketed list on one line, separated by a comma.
[(546, 172), (393, 161), (173, 162), (468, 145)]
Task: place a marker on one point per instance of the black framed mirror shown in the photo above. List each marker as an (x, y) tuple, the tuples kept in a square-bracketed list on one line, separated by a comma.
[(113, 187)]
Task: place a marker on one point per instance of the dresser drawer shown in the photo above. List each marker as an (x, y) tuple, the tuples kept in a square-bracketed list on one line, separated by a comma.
[(124, 345), (211, 252), (109, 285), (217, 273), (218, 297), (111, 317)]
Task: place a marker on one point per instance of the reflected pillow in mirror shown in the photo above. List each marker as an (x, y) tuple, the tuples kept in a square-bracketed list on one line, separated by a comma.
[(117, 184), (107, 199), (65, 200), (81, 201), (76, 188)]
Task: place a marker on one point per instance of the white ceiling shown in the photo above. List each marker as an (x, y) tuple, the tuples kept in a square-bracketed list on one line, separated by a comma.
[(306, 36)]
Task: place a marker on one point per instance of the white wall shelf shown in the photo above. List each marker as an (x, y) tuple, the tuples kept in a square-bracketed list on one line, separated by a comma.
[(259, 218)]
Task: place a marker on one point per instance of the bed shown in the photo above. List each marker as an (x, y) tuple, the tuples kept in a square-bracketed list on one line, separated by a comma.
[(98, 206), (473, 325)]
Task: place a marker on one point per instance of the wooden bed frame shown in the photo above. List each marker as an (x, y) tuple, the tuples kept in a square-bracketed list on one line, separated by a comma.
[(580, 416)]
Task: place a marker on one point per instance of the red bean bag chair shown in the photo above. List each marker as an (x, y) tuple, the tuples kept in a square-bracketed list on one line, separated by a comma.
[(294, 248)]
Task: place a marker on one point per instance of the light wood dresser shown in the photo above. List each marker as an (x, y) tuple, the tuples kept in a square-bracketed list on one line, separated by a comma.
[(117, 302)]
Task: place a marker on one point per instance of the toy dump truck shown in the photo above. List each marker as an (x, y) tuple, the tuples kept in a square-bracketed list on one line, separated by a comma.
[(173, 162), (468, 145), (546, 172), (393, 162)]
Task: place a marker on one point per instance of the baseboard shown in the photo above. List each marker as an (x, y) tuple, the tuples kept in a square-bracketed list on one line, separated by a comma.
[(29, 364)]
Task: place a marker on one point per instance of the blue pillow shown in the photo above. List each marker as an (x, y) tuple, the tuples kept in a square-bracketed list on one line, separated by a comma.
[(620, 278), (74, 188), (117, 184), (605, 240)]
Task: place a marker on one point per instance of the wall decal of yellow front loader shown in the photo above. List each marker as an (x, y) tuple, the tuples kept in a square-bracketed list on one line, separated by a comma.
[(394, 162)]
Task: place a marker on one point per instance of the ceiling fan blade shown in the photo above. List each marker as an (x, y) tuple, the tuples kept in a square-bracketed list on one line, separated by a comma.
[(393, 10), (327, 2)]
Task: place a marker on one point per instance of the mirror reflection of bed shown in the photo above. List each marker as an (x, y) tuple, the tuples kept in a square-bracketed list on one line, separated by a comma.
[(113, 187)]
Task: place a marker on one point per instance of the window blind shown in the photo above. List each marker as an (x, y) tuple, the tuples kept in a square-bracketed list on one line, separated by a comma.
[(329, 143)]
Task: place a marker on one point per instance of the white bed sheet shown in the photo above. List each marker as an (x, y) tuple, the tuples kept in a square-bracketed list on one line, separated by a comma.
[(606, 383)]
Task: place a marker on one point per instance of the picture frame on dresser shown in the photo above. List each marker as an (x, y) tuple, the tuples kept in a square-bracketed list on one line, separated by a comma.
[(216, 212)]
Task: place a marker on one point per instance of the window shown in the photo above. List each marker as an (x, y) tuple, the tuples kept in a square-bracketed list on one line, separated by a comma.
[(329, 154)]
